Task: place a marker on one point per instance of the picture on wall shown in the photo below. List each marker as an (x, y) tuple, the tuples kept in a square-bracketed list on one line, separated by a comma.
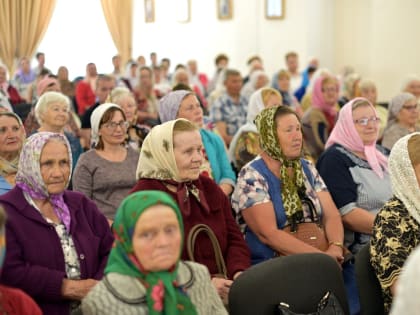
[(224, 9), (274, 9), (183, 11), (149, 11)]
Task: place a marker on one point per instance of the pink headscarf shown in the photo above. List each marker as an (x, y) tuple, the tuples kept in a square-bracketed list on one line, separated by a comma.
[(318, 99), (345, 134)]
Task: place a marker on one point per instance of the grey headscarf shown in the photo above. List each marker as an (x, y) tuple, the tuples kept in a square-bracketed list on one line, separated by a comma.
[(395, 106), (170, 103), (403, 176)]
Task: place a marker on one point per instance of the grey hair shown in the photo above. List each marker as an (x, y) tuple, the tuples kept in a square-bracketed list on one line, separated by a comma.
[(366, 84), (120, 93), (410, 78), (48, 98)]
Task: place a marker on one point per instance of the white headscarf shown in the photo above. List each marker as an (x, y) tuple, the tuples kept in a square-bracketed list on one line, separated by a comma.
[(95, 119), (403, 177)]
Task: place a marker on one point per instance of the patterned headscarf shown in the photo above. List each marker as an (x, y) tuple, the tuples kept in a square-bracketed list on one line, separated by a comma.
[(163, 295), (293, 187), (29, 178), (95, 120), (11, 167), (403, 177), (345, 134), (157, 161), (170, 103)]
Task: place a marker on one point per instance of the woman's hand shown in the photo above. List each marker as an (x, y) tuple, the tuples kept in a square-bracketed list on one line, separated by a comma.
[(227, 188), (336, 253), (76, 289), (222, 287)]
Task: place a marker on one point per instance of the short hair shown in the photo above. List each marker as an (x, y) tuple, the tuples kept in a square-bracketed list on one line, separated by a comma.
[(220, 57), (183, 125), (106, 117), (252, 58), (407, 80), (231, 73), (120, 93), (283, 74), (413, 149), (39, 54), (366, 84), (103, 77), (48, 98), (148, 69), (115, 57), (290, 54), (267, 92)]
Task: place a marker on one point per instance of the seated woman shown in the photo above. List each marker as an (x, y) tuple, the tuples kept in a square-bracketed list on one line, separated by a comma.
[(107, 172), (245, 143), (216, 165), (396, 231), (277, 189), (52, 111), (319, 120), (148, 244), (257, 79), (135, 132), (12, 135), (283, 82), (170, 161), (40, 211), (402, 118), (353, 158)]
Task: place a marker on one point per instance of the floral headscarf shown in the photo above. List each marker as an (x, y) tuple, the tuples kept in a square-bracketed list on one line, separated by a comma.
[(170, 103), (157, 161), (29, 178), (162, 293), (345, 134), (403, 177), (293, 187)]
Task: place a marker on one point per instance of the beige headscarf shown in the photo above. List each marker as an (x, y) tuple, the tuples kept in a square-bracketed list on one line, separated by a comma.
[(403, 177)]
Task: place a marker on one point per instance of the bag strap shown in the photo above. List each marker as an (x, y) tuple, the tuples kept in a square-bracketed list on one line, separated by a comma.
[(192, 236)]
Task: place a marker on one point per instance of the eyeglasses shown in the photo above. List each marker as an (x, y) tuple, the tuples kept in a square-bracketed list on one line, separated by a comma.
[(411, 108), (113, 125), (365, 121)]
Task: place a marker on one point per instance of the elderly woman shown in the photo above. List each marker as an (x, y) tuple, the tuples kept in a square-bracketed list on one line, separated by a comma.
[(184, 104), (12, 135), (170, 161), (52, 111), (396, 231), (279, 189), (245, 144), (41, 211), (402, 118), (257, 80), (353, 158), (350, 88), (319, 120), (106, 173), (135, 132), (148, 245)]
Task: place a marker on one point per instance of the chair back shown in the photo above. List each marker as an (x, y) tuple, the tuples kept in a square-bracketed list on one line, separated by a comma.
[(298, 280), (370, 291)]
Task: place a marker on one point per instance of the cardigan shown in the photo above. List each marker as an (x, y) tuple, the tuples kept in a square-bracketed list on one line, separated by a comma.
[(34, 257), (125, 295), (220, 219)]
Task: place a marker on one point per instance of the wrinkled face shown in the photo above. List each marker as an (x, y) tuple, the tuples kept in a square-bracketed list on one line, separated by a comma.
[(233, 84), (330, 93), (55, 116), (409, 113), (190, 109), (188, 151), (414, 88), (129, 107), (369, 133), (11, 135), (157, 238), (103, 88), (113, 132), (370, 94), (289, 134), (2, 75), (284, 83), (55, 166)]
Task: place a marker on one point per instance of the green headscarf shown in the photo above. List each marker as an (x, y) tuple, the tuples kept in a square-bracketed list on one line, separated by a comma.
[(162, 294), (269, 142)]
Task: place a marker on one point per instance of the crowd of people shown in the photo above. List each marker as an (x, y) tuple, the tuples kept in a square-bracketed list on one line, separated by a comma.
[(116, 172)]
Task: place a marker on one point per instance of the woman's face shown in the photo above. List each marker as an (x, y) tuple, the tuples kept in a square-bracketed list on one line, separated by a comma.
[(11, 136), (409, 113), (330, 93), (370, 94), (369, 133), (55, 116), (63, 73), (55, 166), (157, 238), (261, 81), (284, 83), (113, 132), (188, 151), (191, 110), (129, 107), (289, 134)]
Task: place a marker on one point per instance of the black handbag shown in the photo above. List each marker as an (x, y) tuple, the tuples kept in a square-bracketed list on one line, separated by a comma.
[(329, 305)]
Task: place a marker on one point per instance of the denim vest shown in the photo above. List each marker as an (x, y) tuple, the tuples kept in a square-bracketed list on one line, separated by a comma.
[(260, 251)]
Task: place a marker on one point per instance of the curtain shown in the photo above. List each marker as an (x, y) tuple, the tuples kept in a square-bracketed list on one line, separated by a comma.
[(22, 25), (118, 15)]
